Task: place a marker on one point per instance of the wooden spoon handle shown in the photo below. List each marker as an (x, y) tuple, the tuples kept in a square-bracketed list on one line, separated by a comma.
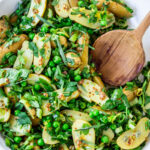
[(142, 27)]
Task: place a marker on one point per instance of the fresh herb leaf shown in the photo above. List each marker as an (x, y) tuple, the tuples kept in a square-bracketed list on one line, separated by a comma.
[(23, 119)]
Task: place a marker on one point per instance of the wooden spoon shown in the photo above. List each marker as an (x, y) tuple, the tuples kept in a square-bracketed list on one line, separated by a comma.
[(119, 54)]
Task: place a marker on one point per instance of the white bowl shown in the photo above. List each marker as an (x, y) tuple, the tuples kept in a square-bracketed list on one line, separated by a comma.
[(140, 7)]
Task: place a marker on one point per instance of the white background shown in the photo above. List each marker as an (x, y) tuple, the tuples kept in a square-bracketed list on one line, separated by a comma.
[(141, 8)]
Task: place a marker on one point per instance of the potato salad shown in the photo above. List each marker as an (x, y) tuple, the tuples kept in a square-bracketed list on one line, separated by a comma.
[(51, 97)]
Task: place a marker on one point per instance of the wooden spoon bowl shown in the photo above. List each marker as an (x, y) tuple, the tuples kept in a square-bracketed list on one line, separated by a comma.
[(119, 54)]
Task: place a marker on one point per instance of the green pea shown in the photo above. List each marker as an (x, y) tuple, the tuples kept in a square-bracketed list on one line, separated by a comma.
[(113, 126), (104, 119), (57, 59), (95, 112), (44, 29), (56, 124), (77, 78), (37, 87), (65, 126), (23, 84), (105, 139), (17, 139), (7, 142), (54, 69), (31, 35), (41, 142), (17, 112), (82, 105), (51, 64), (91, 114)]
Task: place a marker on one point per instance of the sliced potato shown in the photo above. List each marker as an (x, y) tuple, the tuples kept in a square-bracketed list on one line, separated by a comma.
[(44, 52), (63, 147), (62, 8), (26, 54), (47, 138), (73, 3), (133, 138), (3, 28), (4, 101), (109, 133), (35, 121), (62, 40), (92, 92), (46, 107), (116, 8), (98, 80), (4, 114), (14, 47), (84, 19), (61, 96), (148, 89), (119, 10), (75, 115), (130, 94), (10, 75), (11, 98), (79, 136), (37, 7), (34, 78), (19, 130), (4, 81), (74, 61), (31, 111), (83, 49)]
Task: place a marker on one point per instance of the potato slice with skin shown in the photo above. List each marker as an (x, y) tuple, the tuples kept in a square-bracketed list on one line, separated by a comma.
[(78, 136), (46, 107), (26, 55), (18, 129), (34, 78), (75, 115), (13, 47), (47, 138), (31, 111), (97, 79), (11, 98), (116, 8), (84, 51), (4, 114), (62, 8), (3, 28), (92, 92), (133, 138), (37, 7), (85, 20), (44, 52), (61, 96)]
